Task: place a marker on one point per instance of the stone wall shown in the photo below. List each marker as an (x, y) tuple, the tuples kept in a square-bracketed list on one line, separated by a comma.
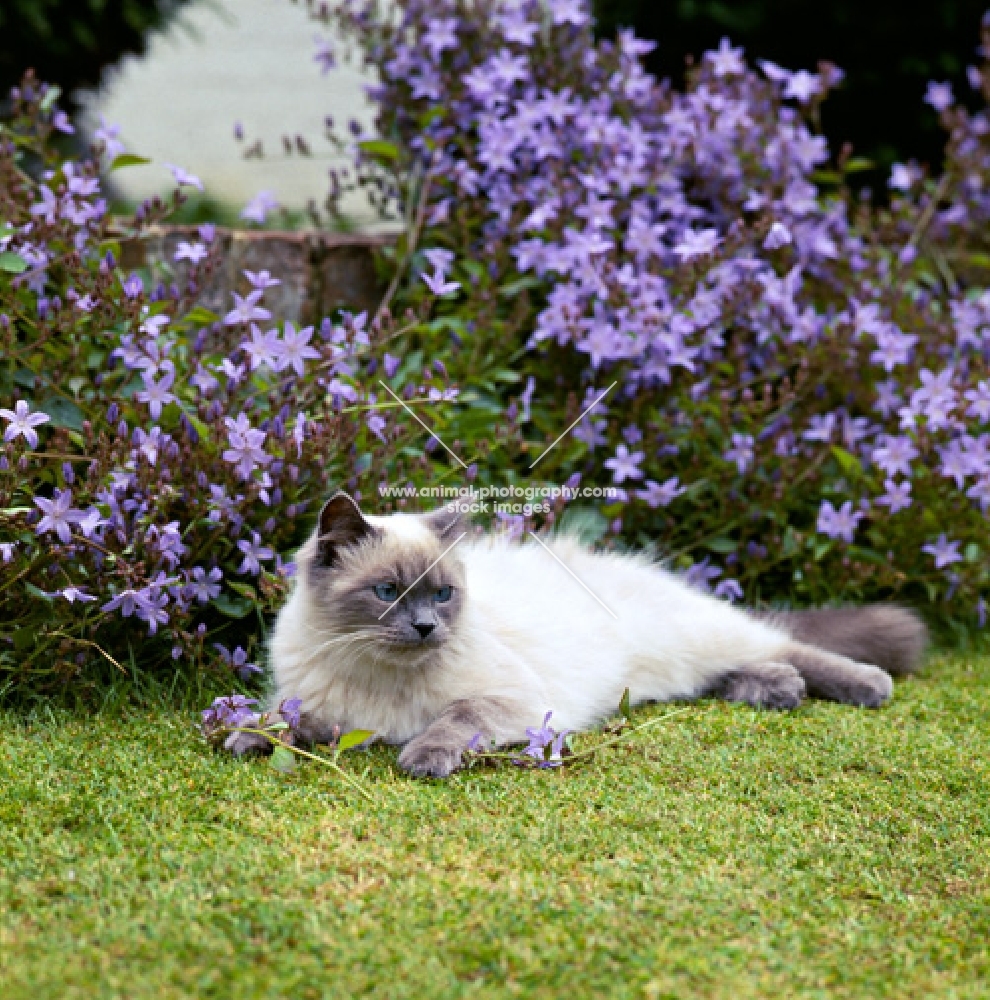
[(319, 272)]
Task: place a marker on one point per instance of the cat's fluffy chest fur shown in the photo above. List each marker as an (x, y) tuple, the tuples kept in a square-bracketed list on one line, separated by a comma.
[(414, 627)]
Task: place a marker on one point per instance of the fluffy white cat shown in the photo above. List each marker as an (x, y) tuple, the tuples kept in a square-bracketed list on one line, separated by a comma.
[(421, 630)]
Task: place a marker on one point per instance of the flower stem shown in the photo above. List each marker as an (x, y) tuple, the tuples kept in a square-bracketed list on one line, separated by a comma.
[(276, 742)]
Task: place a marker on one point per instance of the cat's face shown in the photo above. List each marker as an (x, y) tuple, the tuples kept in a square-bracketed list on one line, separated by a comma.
[(388, 582)]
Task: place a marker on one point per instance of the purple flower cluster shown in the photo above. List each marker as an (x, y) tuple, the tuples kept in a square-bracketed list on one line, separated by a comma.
[(807, 373), (157, 459)]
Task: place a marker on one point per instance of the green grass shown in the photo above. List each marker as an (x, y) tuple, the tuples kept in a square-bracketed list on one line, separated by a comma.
[(830, 852)]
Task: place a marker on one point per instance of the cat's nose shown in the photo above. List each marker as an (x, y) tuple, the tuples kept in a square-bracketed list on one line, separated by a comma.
[(424, 628)]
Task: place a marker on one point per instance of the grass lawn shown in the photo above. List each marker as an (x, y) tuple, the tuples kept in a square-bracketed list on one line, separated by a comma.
[(830, 852)]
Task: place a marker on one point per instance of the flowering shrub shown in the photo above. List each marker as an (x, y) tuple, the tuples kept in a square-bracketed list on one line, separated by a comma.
[(157, 460), (799, 392), (790, 385)]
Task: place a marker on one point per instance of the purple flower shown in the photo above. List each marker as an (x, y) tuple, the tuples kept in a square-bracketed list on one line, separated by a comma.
[(194, 252), (726, 61), (183, 178), (841, 523), (156, 394), (107, 134), (245, 451), (261, 279), (729, 589), (246, 308), (701, 574), (253, 552), (742, 451), (440, 260), (7, 551), (299, 433), (897, 496), (22, 422), (696, 244), (257, 209), (895, 454), (660, 495), (59, 515), (324, 55), (569, 12), (802, 86), (546, 744), (903, 177), (229, 712), (476, 743), (203, 586), (625, 465), (126, 602), (73, 594), (293, 350), (437, 283), (944, 552), (262, 348), (939, 95), (238, 662), (391, 364), (289, 710), (778, 236)]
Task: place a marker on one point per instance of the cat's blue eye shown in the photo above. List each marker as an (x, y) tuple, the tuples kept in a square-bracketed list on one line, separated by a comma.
[(443, 594), (386, 591)]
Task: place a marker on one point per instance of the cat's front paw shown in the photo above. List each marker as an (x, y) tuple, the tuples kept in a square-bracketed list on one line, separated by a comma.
[(247, 744), (430, 759)]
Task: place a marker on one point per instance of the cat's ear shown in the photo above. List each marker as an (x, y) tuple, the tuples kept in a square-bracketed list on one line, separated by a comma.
[(447, 523), (341, 524)]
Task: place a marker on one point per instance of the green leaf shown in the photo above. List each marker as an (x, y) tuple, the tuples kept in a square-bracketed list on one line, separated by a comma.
[(12, 263), (624, 710), (233, 607), (278, 727), (353, 738), (37, 592), (244, 589), (379, 148), (52, 95), (857, 164), (24, 637), (723, 546), (283, 759), (200, 316), (512, 288), (64, 413), (128, 160), (848, 462)]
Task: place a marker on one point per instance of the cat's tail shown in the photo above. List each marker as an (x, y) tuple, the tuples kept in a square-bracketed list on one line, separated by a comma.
[(885, 635)]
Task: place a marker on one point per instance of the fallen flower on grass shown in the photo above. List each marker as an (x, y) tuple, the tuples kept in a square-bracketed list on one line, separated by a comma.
[(235, 713), (548, 748)]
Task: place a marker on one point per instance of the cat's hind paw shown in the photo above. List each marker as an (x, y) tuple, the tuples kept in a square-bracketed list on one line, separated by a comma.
[(430, 759)]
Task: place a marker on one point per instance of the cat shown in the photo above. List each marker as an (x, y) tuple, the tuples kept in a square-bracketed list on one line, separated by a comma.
[(417, 628)]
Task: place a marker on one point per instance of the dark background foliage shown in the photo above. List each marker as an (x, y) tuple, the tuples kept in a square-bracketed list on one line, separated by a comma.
[(69, 42), (889, 49)]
